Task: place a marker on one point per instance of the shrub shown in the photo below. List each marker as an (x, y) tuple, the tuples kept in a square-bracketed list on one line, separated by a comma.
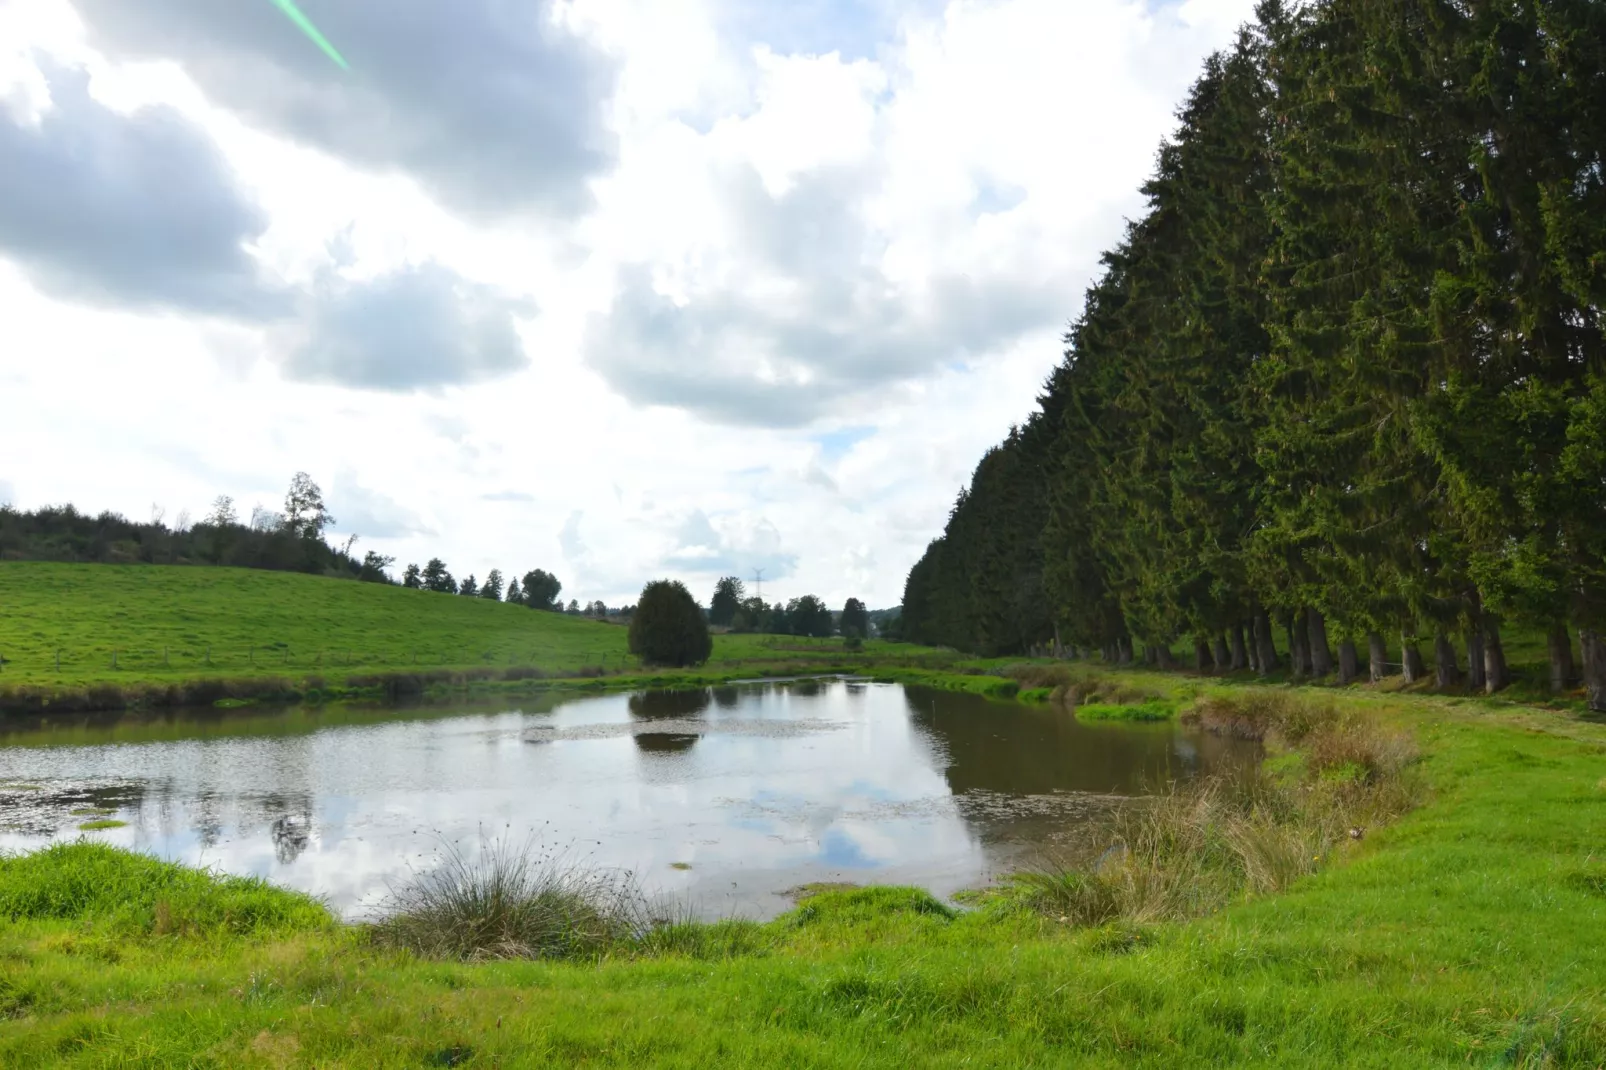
[(668, 627)]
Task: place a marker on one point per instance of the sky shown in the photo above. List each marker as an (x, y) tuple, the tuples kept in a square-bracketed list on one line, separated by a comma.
[(621, 289)]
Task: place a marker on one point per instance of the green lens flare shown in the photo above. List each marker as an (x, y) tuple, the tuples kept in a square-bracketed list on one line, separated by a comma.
[(306, 27)]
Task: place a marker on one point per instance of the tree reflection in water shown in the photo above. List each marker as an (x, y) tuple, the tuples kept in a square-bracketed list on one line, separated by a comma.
[(666, 706)]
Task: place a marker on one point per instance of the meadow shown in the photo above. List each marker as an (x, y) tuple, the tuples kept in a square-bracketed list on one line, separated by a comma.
[(76, 626), (1461, 933)]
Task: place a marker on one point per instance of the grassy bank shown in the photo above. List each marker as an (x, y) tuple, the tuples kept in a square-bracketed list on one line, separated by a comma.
[(1456, 935), (88, 637)]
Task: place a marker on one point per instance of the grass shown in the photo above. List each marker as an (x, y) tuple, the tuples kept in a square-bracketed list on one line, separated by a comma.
[(1153, 710), (1453, 933), (101, 823), (514, 901), (109, 636), (1333, 776)]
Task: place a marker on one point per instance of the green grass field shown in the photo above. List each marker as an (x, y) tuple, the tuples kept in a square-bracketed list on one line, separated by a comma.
[(1467, 934), (72, 625)]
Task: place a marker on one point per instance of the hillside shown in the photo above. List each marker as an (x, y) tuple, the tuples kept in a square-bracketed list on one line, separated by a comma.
[(163, 620), (163, 623)]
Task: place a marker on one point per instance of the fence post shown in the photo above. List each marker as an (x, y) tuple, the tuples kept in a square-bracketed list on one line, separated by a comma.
[(114, 657)]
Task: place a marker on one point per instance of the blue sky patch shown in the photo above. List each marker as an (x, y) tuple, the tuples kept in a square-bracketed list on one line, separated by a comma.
[(836, 444)]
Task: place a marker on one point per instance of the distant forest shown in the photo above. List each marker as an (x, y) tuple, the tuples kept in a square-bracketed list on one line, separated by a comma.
[(288, 541), (1345, 375), (293, 541)]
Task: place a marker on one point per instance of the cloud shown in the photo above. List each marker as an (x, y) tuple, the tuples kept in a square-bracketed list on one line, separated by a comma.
[(8, 493), (493, 106), (371, 514), (507, 496), (136, 210), (816, 324), (569, 540), (755, 544), (417, 328)]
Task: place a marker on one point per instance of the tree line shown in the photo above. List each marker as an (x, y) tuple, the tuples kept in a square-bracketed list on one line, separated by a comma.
[(291, 540), (288, 541), (807, 615), (1344, 376)]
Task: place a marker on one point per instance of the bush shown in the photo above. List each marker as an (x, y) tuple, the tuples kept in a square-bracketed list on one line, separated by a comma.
[(668, 627)]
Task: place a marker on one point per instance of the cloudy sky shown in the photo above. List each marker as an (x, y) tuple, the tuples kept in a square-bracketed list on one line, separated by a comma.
[(615, 288)]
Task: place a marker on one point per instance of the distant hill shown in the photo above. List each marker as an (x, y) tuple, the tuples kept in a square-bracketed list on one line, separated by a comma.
[(160, 620)]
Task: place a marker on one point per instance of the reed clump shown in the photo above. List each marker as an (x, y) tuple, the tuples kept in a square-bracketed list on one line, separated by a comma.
[(1331, 776), (516, 901)]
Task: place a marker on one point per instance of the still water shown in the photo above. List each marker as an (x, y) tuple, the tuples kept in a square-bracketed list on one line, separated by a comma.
[(725, 798)]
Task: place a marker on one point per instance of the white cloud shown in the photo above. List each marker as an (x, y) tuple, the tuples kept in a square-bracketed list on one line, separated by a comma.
[(808, 292)]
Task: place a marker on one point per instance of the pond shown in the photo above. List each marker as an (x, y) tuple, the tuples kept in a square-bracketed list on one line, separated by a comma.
[(724, 798)]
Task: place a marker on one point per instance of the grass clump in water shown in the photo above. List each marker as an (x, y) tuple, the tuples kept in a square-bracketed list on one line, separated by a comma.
[(1153, 710), (102, 823), (515, 901), (1200, 846)]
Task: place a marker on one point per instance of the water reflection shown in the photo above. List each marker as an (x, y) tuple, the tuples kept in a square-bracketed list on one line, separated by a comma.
[(755, 788)]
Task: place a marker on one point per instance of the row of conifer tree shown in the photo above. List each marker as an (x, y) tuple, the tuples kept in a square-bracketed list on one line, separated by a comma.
[(1344, 377)]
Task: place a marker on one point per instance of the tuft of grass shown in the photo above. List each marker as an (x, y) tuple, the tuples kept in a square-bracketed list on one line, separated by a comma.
[(1153, 710), (135, 894), (1198, 847), (101, 823), (514, 901)]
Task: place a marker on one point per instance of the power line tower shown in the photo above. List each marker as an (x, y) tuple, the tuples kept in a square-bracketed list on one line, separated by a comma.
[(758, 582)]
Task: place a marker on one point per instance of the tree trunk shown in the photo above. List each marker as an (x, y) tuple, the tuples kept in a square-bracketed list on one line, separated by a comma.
[(1321, 655), (1124, 649), (1240, 657), (1252, 652), (1496, 677), (1298, 649), (1203, 660), (1349, 662), (1562, 673), (1264, 643), (1162, 656), (1475, 664), (1379, 654), (1223, 659), (1593, 649), (1446, 673), (1411, 659)]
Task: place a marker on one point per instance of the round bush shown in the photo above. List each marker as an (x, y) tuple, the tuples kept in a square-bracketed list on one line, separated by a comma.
[(668, 628)]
